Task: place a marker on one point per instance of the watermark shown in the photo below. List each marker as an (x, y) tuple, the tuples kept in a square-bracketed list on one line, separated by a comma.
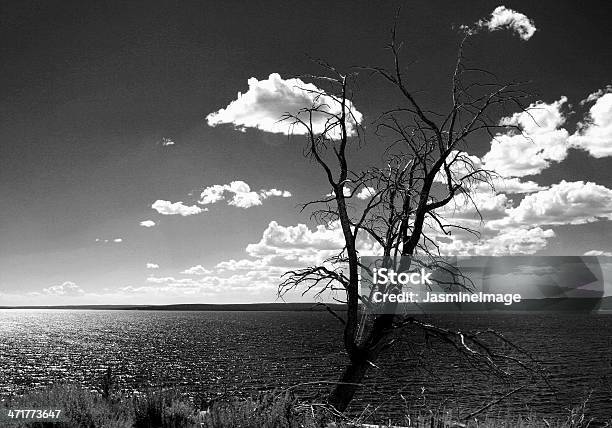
[(480, 283)]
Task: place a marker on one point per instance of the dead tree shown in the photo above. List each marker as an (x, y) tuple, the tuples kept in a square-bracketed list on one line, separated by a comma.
[(427, 168)]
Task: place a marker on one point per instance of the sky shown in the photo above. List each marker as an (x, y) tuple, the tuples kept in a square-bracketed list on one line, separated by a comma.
[(142, 161)]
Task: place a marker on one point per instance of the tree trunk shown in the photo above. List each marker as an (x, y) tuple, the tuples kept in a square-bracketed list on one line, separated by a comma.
[(342, 394)]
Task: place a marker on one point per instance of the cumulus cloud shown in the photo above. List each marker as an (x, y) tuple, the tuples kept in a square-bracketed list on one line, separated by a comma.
[(275, 192), (68, 288), (176, 208), (366, 193), (251, 281), (504, 18), (463, 165), (595, 133), (540, 142), (345, 191), (563, 203), (147, 223), (106, 241), (598, 253), (596, 95), (239, 194), (513, 241), (515, 185), (243, 264), (212, 194), (152, 266), (266, 101), (196, 270)]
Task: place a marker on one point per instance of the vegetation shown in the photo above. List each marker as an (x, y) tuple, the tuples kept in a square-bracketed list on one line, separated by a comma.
[(167, 408)]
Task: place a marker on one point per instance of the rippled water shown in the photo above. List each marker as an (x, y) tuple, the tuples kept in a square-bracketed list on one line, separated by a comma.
[(208, 354)]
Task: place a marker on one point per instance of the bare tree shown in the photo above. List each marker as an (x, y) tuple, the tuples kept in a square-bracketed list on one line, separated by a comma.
[(426, 169)]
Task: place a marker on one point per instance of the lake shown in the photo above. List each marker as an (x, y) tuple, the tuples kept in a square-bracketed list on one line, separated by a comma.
[(213, 354)]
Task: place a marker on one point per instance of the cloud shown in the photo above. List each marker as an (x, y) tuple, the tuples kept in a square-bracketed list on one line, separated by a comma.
[(502, 18), (490, 206), (169, 208), (277, 238), (598, 253), (541, 142), (512, 241), (239, 194), (243, 282), (595, 133), (152, 266), (345, 191), (147, 223), (563, 203), (366, 193), (196, 270), (596, 95), (106, 241), (299, 246), (275, 192), (515, 185), (212, 194), (243, 264), (266, 101), (68, 288)]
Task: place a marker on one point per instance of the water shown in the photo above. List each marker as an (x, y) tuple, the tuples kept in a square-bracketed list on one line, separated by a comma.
[(209, 354)]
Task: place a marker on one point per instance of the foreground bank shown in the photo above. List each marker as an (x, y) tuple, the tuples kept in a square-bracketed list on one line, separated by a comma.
[(167, 408)]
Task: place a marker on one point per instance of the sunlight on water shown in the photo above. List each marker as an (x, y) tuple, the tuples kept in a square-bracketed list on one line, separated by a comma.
[(240, 353)]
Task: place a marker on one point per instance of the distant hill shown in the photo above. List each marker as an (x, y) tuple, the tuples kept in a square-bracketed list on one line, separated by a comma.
[(546, 305), (196, 307)]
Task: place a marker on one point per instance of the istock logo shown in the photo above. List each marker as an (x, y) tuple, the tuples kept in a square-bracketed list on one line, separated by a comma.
[(389, 276)]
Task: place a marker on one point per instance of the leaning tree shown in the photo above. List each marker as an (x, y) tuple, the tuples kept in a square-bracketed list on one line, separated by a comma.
[(426, 169)]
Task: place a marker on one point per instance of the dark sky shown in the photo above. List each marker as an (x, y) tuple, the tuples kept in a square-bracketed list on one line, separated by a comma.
[(89, 89)]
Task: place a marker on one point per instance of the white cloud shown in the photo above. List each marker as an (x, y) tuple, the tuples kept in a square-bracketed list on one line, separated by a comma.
[(502, 17), (595, 135), (366, 193), (490, 205), (541, 142), (152, 266), (196, 270), (513, 241), (515, 185), (106, 241), (277, 238), (212, 194), (147, 223), (345, 191), (598, 253), (596, 95), (68, 288), (239, 194), (243, 264), (275, 192), (244, 282), (563, 203), (266, 101), (169, 208), (243, 197), (300, 246)]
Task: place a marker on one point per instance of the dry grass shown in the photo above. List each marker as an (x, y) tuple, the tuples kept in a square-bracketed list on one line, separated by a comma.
[(168, 409)]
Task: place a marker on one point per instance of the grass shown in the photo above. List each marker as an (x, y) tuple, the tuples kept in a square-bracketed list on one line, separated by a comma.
[(168, 409)]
